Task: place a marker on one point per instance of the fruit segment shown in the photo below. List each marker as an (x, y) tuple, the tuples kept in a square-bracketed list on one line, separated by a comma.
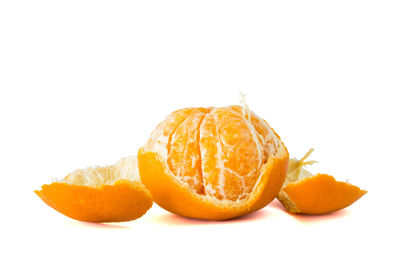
[(184, 157), (231, 155)]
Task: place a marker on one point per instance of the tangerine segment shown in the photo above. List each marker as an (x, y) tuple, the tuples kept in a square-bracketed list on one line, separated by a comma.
[(214, 153), (184, 157), (101, 194), (123, 201), (231, 154)]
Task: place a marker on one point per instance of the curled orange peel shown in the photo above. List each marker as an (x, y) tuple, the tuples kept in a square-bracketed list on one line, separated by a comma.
[(306, 193), (100, 194)]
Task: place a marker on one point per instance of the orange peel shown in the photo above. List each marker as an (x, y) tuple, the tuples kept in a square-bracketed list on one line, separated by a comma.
[(213, 163), (306, 193), (101, 194)]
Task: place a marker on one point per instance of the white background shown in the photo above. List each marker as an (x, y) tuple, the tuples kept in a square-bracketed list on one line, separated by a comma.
[(83, 83)]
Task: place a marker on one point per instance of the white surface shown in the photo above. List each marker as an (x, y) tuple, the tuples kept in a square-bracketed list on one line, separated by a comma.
[(83, 83)]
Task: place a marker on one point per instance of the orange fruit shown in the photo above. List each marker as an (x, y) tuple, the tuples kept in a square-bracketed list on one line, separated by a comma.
[(101, 194), (315, 194), (213, 163)]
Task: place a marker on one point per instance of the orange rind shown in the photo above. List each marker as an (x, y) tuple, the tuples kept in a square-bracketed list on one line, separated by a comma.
[(306, 193), (101, 194), (213, 163)]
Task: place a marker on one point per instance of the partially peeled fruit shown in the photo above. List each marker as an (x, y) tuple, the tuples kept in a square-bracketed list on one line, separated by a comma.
[(213, 163)]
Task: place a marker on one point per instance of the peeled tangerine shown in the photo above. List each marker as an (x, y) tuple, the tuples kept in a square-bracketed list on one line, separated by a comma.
[(315, 194), (101, 194), (213, 163)]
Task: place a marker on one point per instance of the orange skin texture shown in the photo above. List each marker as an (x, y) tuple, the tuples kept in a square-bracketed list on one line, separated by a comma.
[(321, 194), (123, 201), (178, 198)]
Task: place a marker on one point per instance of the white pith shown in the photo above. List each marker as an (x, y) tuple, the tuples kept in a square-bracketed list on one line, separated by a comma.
[(220, 164), (297, 172), (126, 168)]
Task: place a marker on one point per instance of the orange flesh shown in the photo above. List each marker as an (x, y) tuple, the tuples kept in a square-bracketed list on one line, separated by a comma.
[(217, 152)]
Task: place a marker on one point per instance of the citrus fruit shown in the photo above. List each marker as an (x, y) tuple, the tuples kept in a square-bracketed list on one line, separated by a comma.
[(101, 194), (213, 163), (306, 193)]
